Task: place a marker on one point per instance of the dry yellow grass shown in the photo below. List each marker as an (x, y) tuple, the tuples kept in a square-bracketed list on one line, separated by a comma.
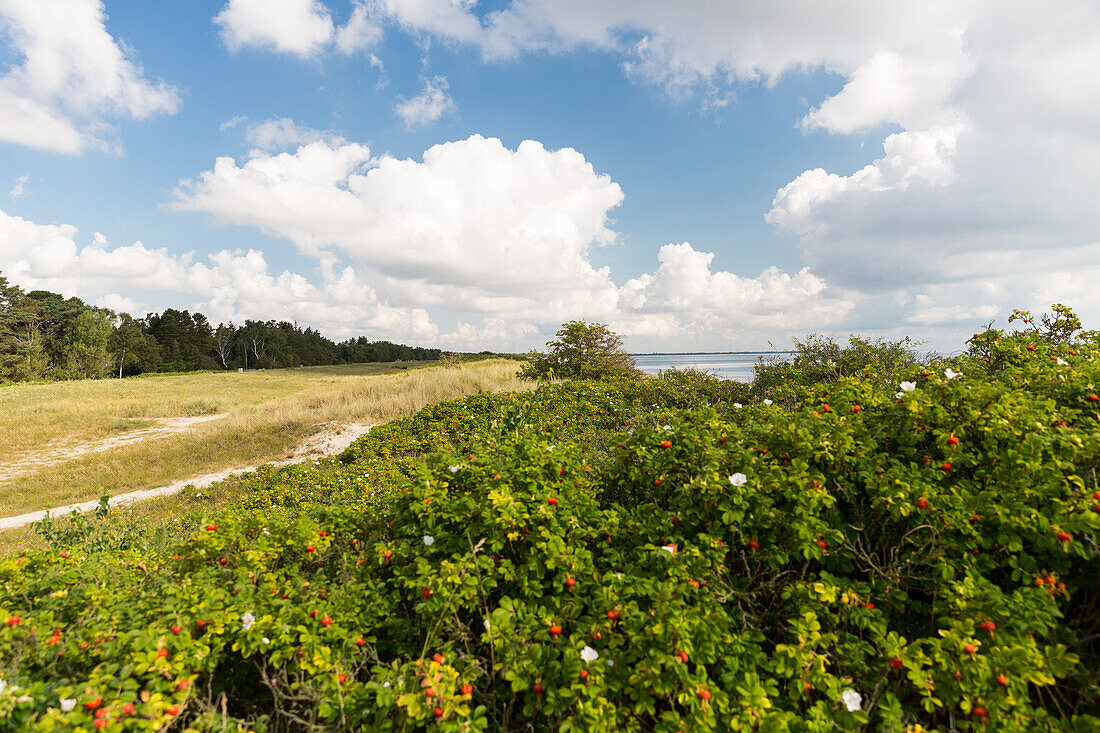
[(267, 414)]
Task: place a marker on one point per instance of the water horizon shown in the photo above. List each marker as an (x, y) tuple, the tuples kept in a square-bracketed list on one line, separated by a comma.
[(734, 365)]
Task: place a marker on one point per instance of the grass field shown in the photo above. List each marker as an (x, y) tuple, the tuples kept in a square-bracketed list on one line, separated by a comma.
[(266, 414)]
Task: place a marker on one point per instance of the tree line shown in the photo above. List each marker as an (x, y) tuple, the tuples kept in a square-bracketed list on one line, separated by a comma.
[(44, 335)]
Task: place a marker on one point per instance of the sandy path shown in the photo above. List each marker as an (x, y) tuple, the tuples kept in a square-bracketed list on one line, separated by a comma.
[(164, 426), (328, 442)]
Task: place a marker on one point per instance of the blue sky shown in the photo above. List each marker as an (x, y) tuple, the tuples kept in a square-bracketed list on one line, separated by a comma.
[(706, 177)]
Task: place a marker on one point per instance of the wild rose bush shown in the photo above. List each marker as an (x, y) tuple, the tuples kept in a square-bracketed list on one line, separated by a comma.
[(871, 557)]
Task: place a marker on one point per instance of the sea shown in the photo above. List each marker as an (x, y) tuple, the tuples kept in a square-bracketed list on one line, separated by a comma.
[(735, 365)]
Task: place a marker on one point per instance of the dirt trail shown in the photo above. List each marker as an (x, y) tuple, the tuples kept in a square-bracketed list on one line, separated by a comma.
[(328, 442), (164, 426)]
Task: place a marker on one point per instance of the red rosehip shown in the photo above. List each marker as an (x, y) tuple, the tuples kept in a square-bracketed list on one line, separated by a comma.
[(162, 653), (310, 548), (128, 708), (822, 544), (176, 628), (682, 656), (1094, 398), (102, 722), (970, 649), (569, 582), (1064, 536), (666, 444), (945, 466), (13, 621), (437, 658), (988, 626), (201, 624), (555, 630), (438, 712), (551, 501), (896, 663), (211, 527), (222, 560), (360, 642), (754, 545), (313, 613), (387, 554), (326, 621), (537, 688), (1002, 680), (172, 710), (429, 692), (467, 689), (93, 704), (979, 711), (427, 593), (703, 694), (856, 408), (826, 408), (322, 533), (952, 441), (922, 503), (63, 554), (181, 685), (342, 678)]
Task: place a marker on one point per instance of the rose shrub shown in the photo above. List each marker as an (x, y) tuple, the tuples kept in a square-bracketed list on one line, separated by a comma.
[(642, 555)]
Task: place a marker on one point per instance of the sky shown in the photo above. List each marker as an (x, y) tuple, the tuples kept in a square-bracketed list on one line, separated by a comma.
[(703, 175)]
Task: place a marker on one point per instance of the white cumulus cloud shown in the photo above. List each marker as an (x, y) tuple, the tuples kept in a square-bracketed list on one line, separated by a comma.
[(71, 78), (428, 106), (300, 27)]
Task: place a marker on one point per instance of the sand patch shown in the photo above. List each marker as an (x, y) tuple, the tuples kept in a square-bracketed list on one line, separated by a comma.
[(330, 441), (163, 427)]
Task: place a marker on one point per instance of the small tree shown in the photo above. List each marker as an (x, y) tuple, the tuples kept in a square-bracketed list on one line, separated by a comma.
[(581, 351)]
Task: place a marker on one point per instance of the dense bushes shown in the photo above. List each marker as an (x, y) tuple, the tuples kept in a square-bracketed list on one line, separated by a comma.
[(644, 555)]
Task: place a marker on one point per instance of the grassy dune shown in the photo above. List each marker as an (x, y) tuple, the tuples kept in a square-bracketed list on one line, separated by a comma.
[(267, 414)]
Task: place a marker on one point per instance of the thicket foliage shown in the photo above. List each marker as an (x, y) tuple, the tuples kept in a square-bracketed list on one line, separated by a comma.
[(581, 351), (667, 554)]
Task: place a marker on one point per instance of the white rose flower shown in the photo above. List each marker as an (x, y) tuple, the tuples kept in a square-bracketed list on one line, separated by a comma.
[(1061, 362), (266, 640), (247, 620), (908, 386), (67, 704), (951, 373), (738, 479), (588, 654), (429, 540), (767, 402), (454, 468), (852, 700), (737, 405), (669, 549)]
